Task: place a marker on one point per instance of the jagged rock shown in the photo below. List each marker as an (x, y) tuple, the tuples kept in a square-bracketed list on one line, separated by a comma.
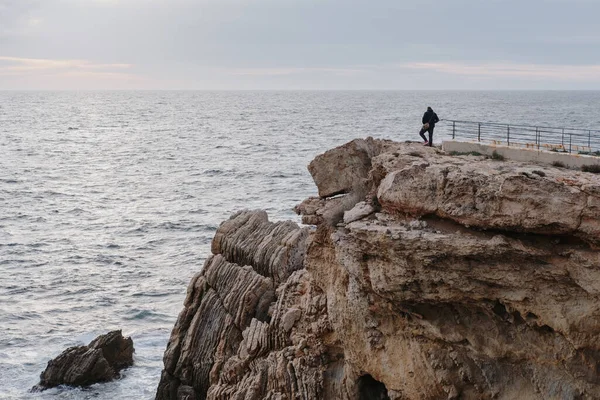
[(231, 318), (456, 277), (221, 302), (274, 250), (308, 210), (331, 211), (360, 211), (290, 318), (339, 170), (495, 197), (438, 309), (99, 361)]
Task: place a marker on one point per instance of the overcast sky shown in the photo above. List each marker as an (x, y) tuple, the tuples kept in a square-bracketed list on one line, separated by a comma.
[(299, 44)]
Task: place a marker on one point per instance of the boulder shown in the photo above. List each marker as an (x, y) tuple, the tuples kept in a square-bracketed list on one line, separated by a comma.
[(99, 361), (338, 170)]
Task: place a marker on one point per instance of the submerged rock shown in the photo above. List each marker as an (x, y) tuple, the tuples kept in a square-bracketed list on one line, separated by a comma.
[(455, 277), (99, 361)]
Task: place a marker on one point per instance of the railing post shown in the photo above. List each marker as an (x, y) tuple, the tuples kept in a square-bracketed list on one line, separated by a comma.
[(507, 135), (453, 129), (537, 137), (562, 139), (479, 132), (570, 140)]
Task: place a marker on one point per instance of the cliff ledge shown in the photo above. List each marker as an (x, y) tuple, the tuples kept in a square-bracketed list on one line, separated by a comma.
[(424, 276)]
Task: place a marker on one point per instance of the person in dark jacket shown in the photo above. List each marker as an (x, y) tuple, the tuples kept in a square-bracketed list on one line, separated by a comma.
[(430, 118)]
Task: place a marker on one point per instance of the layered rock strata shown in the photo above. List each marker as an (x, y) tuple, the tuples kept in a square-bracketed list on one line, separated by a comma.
[(232, 338), (428, 276), (99, 361)]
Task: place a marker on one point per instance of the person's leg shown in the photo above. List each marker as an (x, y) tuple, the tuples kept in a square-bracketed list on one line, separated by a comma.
[(431, 136), (422, 135)]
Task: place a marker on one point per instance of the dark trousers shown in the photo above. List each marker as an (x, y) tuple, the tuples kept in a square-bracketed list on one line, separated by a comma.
[(430, 130)]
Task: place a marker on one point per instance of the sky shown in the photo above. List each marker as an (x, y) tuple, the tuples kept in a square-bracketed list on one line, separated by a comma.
[(300, 44)]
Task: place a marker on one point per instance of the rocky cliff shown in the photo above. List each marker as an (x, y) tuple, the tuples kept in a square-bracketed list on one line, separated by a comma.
[(423, 276)]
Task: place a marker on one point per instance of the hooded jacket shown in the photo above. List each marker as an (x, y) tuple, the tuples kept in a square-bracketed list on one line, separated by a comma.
[(431, 117)]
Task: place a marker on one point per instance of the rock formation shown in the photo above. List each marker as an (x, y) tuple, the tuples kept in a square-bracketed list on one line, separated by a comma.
[(427, 276), (232, 338), (99, 361)]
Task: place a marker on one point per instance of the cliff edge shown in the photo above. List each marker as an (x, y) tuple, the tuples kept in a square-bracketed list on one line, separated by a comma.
[(424, 276)]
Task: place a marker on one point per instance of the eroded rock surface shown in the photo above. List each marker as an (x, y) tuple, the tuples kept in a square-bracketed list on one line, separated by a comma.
[(433, 277), (233, 338), (338, 170), (99, 361)]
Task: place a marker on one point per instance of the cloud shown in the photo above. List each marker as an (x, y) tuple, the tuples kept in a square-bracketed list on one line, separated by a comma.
[(42, 73), (304, 43), (33, 22), (583, 39), (294, 71), (568, 73), (16, 18), (575, 73), (13, 65)]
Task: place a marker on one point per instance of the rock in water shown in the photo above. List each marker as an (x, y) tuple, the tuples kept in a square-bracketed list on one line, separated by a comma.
[(100, 361), (453, 277)]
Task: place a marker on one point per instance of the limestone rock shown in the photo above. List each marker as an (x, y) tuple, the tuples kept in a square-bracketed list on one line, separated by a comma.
[(330, 211), (273, 250), (231, 325), (492, 296), (221, 302), (290, 318), (308, 210), (450, 277), (360, 211), (495, 197), (100, 361), (338, 170)]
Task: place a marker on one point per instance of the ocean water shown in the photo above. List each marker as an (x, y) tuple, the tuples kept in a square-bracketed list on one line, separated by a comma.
[(109, 200)]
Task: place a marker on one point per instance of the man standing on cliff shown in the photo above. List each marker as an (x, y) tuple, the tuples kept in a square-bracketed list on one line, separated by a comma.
[(430, 118)]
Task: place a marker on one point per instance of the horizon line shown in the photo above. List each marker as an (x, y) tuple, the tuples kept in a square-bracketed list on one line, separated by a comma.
[(301, 90)]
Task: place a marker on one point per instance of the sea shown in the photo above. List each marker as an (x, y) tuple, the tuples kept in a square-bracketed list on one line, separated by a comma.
[(109, 199)]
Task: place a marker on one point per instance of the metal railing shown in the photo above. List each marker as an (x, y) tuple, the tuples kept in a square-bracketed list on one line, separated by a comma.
[(569, 140)]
